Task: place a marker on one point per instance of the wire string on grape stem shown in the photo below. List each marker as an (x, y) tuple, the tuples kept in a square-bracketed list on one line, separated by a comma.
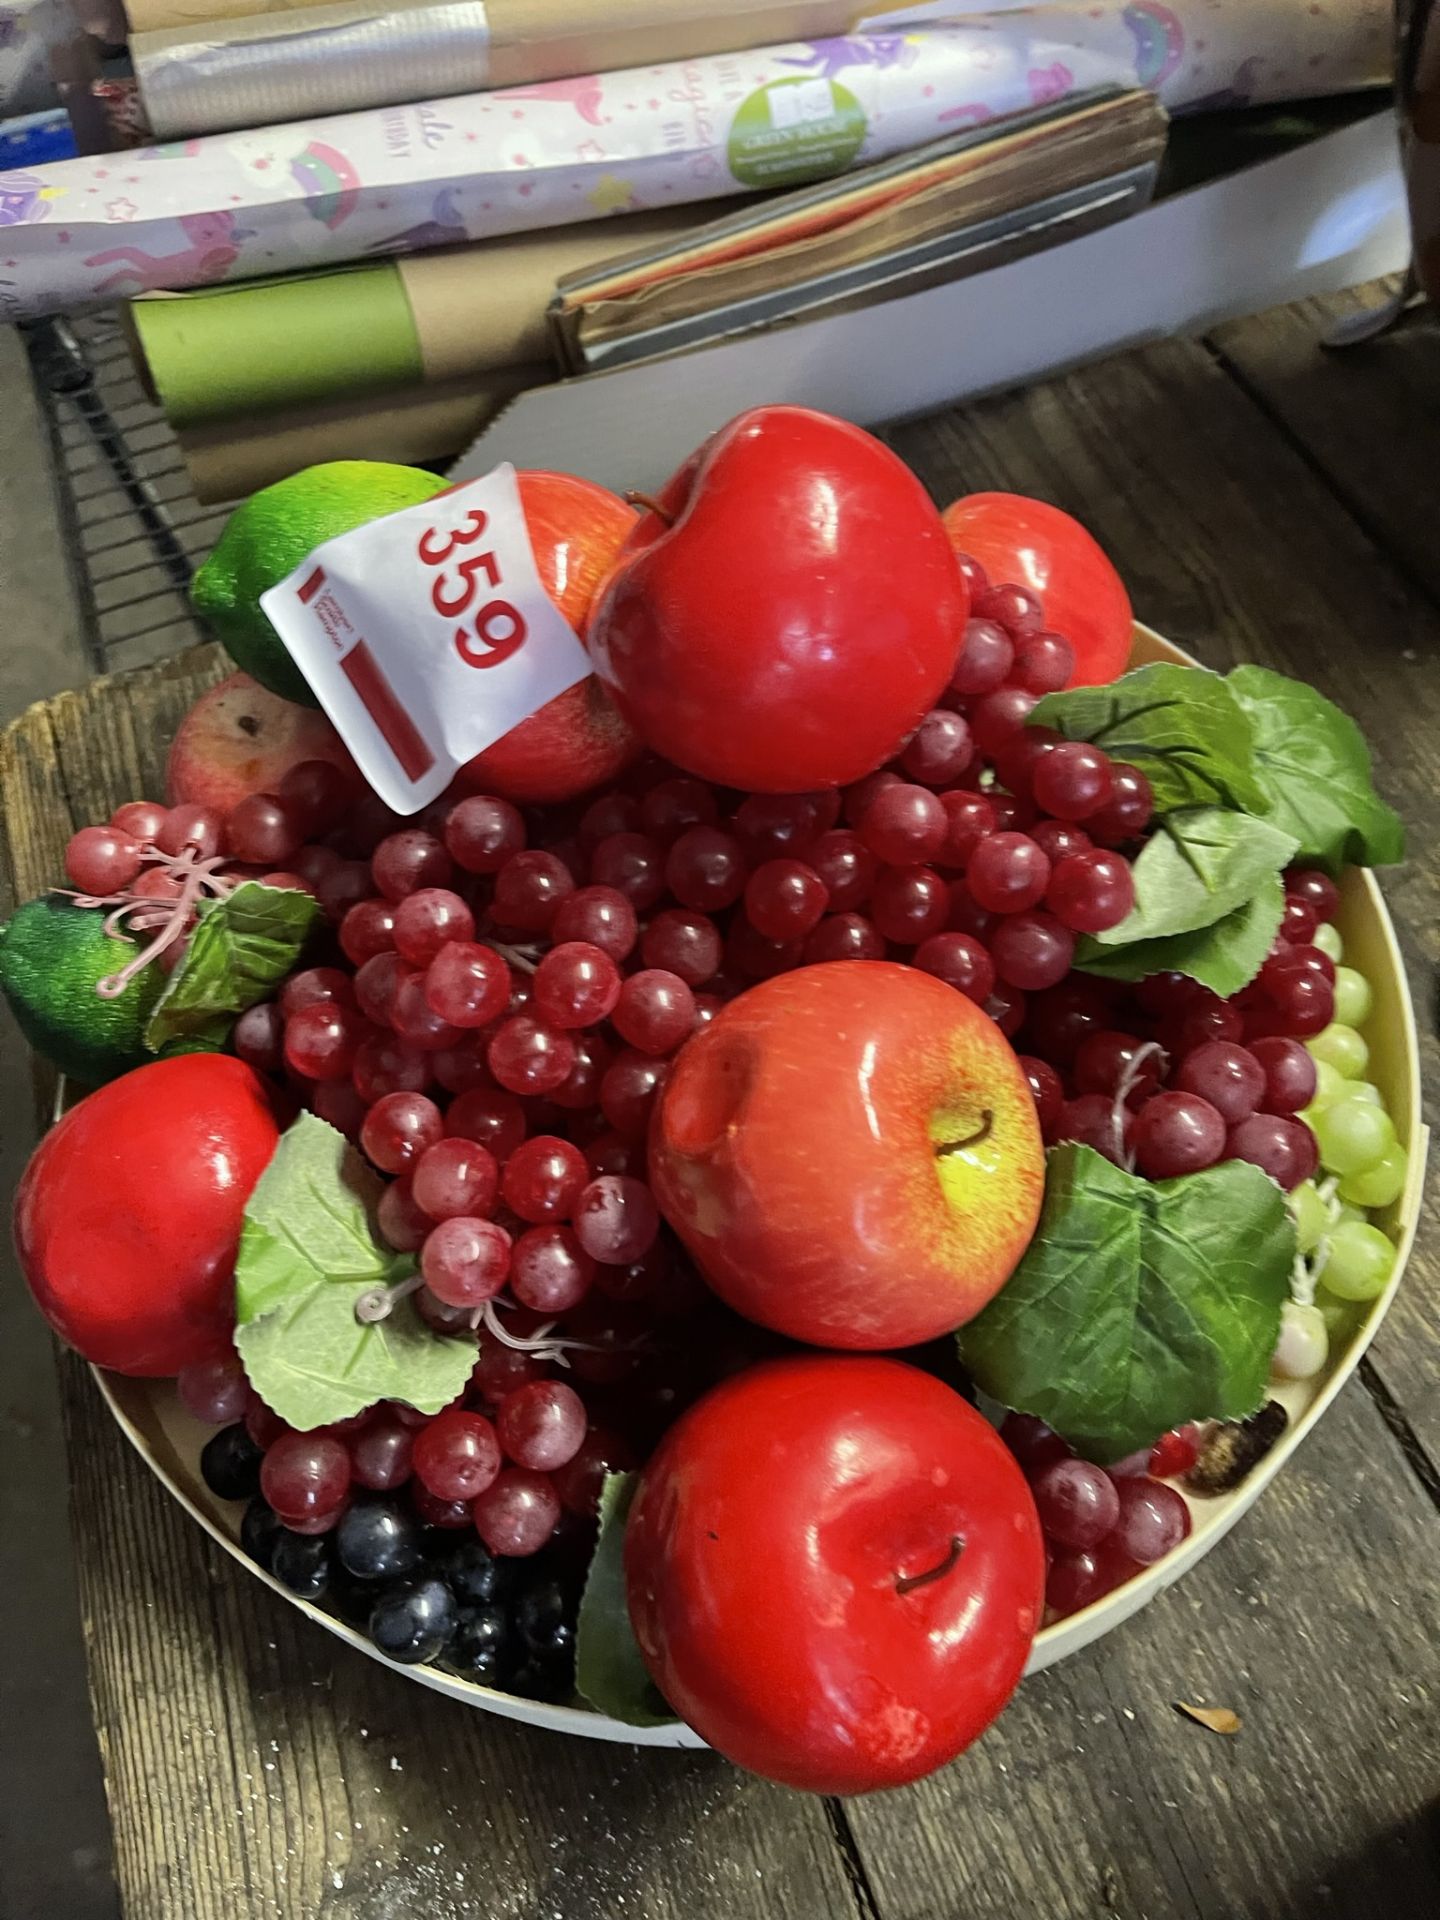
[(378, 1302), (1130, 1078), (1305, 1274), (522, 958), (133, 913)]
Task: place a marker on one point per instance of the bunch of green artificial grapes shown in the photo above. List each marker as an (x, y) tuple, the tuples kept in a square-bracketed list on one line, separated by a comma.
[(1366, 1166)]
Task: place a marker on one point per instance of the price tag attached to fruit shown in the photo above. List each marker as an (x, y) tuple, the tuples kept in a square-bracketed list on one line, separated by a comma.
[(427, 635)]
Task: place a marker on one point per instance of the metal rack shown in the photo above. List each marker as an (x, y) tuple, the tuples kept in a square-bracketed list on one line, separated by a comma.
[(135, 530)]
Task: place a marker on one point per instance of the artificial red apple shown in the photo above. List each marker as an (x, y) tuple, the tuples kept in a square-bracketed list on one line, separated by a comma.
[(788, 609), (834, 1571), (240, 739), (578, 740), (851, 1153), (1031, 544), (128, 1217)]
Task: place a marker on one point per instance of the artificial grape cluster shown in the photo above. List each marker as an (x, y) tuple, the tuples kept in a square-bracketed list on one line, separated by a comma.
[(1101, 1525), (1346, 1261), (441, 1537), (1166, 1077)]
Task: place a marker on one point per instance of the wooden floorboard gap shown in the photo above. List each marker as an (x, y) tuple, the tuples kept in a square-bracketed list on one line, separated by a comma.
[(1426, 1470), (866, 1905)]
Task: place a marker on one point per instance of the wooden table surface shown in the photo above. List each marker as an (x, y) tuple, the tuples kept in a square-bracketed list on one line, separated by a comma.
[(1265, 503)]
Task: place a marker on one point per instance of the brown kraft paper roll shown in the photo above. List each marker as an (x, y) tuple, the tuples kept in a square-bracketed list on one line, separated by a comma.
[(552, 39), (418, 426), (481, 307)]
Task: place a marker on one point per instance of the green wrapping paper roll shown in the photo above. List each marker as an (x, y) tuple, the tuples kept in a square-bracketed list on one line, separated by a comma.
[(274, 344)]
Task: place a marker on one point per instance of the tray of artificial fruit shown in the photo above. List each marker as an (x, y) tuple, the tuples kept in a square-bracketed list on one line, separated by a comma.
[(830, 1164)]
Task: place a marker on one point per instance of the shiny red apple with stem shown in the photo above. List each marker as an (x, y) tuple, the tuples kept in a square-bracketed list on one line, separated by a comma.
[(785, 611), (834, 1571), (851, 1154), (578, 740)]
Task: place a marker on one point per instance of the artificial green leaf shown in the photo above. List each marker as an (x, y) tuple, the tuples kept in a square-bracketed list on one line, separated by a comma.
[(609, 1670), (1199, 864), (1224, 957), (1313, 766), (1181, 726), (242, 948), (308, 1252), (1139, 1305)]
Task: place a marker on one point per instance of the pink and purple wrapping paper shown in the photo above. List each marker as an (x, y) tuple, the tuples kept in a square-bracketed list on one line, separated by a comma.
[(399, 179)]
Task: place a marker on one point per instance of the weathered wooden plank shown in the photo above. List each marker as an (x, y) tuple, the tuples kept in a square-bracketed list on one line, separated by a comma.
[(42, 1678), (256, 1766), (1368, 417), (1233, 547), (1092, 1799)]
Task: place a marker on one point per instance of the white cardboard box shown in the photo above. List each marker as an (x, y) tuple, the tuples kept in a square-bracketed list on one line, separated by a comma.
[(1323, 216)]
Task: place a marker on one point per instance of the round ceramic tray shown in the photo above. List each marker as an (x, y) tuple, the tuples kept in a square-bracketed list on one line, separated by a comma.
[(169, 1440)]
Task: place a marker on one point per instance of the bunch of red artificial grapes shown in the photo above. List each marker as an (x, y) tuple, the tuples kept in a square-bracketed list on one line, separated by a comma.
[(502, 998), (1101, 1525)]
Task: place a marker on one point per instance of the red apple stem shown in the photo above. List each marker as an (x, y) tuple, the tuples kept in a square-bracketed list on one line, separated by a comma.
[(908, 1582), (651, 505), (982, 1132)]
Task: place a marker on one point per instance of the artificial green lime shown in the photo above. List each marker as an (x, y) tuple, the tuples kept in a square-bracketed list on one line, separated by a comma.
[(52, 955), (268, 537)]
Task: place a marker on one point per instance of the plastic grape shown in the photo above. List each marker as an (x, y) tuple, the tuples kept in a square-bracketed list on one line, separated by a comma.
[(1327, 938), (1353, 998), (1353, 1135), (1343, 1048), (1304, 1343), (1310, 1214), (1329, 1087), (1339, 1316), (1380, 1185), (1360, 1263)]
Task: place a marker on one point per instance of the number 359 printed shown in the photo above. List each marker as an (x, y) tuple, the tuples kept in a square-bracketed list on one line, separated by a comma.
[(497, 631)]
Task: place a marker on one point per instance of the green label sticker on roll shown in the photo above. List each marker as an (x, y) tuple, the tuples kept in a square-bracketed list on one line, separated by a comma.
[(796, 130)]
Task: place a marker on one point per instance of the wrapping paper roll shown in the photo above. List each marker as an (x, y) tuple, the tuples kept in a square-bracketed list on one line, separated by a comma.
[(403, 179), (308, 339), (398, 180), (209, 65), (295, 341), (598, 22), (218, 64), (415, 427)]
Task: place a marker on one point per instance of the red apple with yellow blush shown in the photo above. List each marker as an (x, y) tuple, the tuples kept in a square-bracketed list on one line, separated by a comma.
[(851, 1154)]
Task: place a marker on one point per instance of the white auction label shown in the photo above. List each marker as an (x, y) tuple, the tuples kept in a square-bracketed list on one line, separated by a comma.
[(426, 635)]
